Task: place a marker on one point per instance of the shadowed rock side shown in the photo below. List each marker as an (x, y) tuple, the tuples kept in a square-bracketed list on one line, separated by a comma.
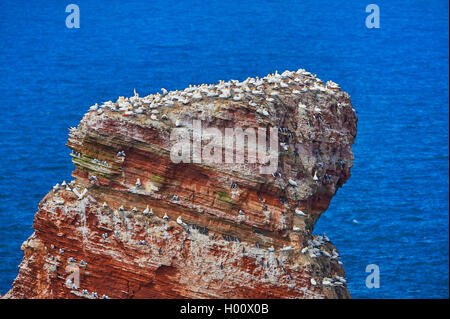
[(134, 224)]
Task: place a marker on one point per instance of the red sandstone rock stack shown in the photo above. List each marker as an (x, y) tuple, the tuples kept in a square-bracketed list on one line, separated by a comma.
[(135, 224)]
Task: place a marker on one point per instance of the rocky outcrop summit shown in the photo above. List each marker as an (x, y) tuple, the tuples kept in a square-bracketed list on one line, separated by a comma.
[(134, 223)]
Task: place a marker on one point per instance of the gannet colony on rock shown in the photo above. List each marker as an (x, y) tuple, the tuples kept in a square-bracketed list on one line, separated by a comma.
[(147, 227)]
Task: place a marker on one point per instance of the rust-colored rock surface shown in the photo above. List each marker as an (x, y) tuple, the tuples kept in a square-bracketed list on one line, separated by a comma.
[(135, 224)]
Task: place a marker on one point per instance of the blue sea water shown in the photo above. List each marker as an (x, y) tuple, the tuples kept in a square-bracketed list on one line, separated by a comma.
[(397, 77)]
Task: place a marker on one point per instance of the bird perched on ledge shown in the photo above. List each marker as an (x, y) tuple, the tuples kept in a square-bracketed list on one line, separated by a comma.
[(180, 222)]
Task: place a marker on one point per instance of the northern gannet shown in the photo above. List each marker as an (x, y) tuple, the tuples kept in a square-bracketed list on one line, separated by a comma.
[(296, 229), (299, 212), (263, 111), (104, 205), (326, 282), (80, 196), (315, 178), (165, 217), (180, 221), (292, 182), (313, 282), (93, 107), (138, 182)]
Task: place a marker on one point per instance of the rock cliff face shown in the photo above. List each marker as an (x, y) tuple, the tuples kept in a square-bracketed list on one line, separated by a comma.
[(135, 224)]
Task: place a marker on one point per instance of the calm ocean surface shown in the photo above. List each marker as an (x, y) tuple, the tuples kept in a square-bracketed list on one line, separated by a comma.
[(397, 77)]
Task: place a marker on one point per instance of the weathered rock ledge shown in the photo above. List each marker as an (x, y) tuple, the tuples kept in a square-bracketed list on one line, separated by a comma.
[(147, 227)]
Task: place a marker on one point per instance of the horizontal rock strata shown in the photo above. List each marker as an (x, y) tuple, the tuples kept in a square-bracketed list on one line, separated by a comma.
[(135, 224)]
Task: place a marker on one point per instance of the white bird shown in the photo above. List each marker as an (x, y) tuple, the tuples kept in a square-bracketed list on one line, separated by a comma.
[(292, 182), (146, 211), (315, 178), (313, 282), (56, 187), (180, 221), (164, 91), (296, 229), (178, 123), (271, 248), (93, 107), (326, 282), (80, 196), (104, 205), (197, 96), (299, 212), (165, 217), (138, 182)]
